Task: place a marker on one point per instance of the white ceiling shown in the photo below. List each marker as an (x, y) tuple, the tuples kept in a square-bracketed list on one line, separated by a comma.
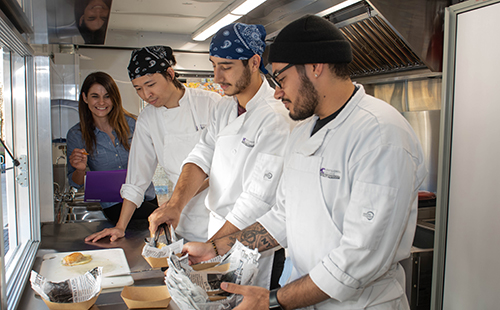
[(172, 16), (184, 17), (135, 23)]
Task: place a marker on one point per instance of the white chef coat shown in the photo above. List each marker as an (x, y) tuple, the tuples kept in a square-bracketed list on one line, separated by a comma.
[(243, 155), (166, 136), (347, 204)]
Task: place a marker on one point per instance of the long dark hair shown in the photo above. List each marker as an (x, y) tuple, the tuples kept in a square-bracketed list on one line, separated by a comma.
[(116, 117)]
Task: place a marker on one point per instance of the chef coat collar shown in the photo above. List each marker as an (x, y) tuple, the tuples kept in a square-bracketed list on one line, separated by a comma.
[(313, 143), (235, 125), (184, 99), (262, 92)]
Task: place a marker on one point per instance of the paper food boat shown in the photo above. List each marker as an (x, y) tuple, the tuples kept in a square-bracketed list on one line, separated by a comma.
[(140, 297)]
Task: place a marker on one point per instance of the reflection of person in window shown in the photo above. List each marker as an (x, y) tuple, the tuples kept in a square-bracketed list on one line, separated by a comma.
[(92, 19)]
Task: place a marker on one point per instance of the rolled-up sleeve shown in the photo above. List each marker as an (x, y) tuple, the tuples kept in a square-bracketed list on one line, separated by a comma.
[(142, 164), (274, 221)]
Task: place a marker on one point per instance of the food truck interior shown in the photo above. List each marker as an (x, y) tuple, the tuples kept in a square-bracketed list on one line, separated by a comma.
[(406, 53)]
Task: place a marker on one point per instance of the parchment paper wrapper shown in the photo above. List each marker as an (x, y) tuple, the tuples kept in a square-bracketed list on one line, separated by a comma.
[(74, 290), (198, 286)]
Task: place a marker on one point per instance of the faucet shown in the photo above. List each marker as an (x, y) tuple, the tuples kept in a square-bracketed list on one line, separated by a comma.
[(70, 195), (57, 160), (57, 193)]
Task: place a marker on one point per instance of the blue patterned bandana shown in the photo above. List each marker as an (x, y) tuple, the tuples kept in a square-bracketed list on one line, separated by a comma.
[(149, 60), (239, 41)]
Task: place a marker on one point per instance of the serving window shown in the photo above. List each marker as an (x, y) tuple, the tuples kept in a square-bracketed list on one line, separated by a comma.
[(18, 200)]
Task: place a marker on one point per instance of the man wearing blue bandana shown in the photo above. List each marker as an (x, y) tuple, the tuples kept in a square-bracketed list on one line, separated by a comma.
[(242, 150)]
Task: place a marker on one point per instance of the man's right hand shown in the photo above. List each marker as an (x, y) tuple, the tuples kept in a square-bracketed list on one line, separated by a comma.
[(166, 213), (198, 252)]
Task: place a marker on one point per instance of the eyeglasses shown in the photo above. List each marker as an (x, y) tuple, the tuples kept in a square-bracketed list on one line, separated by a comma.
[(274, 76)]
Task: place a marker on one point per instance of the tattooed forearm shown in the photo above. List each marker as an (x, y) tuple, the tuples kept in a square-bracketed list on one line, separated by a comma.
[(254, 236)]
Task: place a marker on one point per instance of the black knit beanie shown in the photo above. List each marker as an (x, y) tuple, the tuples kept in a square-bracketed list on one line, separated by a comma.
[(310, 39)]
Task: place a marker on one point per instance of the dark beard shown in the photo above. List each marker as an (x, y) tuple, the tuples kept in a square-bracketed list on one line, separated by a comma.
[(305, 105), (243, 82)]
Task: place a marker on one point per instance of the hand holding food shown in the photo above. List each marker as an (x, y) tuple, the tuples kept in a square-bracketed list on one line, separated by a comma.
[(78, 159), (164, 214), (198, 252)]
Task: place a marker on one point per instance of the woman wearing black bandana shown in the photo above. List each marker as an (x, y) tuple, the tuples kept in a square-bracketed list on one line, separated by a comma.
[(166, 131)]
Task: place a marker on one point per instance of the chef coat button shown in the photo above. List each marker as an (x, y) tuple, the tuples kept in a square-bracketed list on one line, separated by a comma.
[(119, 166), (268, 175), (116, 155), (234, 151)]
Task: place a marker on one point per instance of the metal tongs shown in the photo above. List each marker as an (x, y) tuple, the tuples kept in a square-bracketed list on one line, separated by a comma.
[(166, 230)]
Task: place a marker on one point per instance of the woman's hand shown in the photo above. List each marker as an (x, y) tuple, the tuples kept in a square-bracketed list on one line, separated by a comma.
[(78, 159)]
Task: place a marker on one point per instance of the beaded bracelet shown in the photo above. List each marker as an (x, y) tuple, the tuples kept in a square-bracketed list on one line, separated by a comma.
[(215, 248)]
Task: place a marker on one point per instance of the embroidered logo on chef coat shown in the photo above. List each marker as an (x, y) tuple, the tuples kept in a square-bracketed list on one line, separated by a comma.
[(368, 215), (201, 127), (331, 174), (248, 143)]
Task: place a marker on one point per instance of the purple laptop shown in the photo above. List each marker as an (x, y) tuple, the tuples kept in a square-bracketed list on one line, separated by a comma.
[(104, 186)]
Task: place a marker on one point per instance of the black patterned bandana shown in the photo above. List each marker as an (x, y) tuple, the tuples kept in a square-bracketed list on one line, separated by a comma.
[(149, 60), (239, 41)]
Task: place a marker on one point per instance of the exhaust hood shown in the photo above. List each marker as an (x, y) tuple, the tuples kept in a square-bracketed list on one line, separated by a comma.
[(387, 36)]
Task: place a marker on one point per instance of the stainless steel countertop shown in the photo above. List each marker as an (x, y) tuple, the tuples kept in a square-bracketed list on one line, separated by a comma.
[(70, 237)]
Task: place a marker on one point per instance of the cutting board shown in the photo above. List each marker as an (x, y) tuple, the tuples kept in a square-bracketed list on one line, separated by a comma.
[(113, 261)]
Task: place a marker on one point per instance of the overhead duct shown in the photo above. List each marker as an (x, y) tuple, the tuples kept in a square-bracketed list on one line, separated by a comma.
[(387, 36)]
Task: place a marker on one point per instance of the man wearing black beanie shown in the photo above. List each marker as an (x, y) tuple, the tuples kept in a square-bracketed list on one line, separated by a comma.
[(347, 202)]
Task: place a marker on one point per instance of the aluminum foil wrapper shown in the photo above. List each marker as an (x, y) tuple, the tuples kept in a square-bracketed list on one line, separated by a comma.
[(78, 289)]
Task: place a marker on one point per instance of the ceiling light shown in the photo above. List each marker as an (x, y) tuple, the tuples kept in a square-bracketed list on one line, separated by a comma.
[(235, 14), (224, 21), (247, 6), (337, 7)]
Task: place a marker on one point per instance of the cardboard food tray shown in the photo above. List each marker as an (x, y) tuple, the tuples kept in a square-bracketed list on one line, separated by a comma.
[(141, 297), (85, 305), (158, 262)]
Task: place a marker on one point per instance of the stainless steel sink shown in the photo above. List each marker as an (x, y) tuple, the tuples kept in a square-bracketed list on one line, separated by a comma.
[(89, 216), (83, 212)]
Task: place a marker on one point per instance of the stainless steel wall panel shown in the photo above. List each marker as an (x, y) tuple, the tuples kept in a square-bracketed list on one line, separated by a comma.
[(426, 126), (44, 136)]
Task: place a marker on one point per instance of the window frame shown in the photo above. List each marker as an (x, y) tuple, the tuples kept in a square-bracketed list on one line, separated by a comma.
[(16, 270)]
